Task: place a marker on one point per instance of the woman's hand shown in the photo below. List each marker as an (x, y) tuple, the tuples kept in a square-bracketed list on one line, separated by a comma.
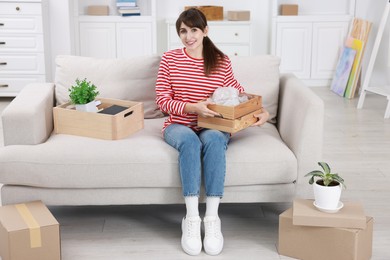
[(200, 109), (262, 117)]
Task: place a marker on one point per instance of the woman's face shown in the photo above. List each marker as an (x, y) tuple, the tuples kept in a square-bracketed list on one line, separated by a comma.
[(192, 38)]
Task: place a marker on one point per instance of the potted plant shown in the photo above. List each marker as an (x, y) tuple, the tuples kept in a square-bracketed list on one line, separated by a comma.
[(327, 188), (83, 95)]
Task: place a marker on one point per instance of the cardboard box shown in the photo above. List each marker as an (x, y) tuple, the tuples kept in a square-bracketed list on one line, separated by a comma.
[(350, 216), (212, 13), (29, 231), (97, 125), (233, 118), (238, 15), (289, 9), (323, 243), (97, 10)]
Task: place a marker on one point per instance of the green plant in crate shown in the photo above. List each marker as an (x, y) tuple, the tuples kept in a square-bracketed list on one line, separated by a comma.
[(326, 177), (83, 92)]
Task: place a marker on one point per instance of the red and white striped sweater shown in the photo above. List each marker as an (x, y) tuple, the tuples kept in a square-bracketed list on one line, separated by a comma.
[(181, 80)]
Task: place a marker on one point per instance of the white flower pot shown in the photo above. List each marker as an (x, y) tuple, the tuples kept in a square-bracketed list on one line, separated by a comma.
[(327, 197), (89, 107)]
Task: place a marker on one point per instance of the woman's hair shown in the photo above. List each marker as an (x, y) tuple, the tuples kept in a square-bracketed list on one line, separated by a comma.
[(211, 54)]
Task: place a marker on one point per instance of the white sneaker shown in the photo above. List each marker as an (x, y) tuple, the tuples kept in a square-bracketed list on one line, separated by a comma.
[(213, 239), (190, 239)]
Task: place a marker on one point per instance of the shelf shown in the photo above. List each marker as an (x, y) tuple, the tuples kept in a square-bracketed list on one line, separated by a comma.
[(313, 18), (210, 23), (115, 18)]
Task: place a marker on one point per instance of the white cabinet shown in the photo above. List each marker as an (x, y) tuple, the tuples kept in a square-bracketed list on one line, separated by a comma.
[(308, 44), (310, 49), (327, 41), (293, 45), (114, 36), (97, 39), (22, 45), (233, 38)]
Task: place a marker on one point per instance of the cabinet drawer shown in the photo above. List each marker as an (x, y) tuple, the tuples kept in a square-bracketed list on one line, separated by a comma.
[(230, 34), (28, 43), (236, 50), (20, 8), (22, 64), (11, 85), (32, 24)]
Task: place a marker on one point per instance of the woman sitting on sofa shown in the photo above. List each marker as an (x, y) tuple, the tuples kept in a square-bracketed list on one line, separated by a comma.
[(185, 79)]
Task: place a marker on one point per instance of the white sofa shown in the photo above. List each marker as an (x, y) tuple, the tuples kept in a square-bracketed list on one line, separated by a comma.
[(264, 164)]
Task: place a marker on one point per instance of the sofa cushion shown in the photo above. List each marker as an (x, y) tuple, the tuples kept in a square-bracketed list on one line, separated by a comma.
[(260, 75), (254, 156), (128, 79)]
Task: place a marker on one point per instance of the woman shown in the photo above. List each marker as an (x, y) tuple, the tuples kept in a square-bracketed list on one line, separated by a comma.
[(186, 78)]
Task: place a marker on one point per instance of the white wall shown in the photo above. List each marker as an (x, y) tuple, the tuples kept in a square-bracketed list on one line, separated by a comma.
[(61, 31), (372, 11)]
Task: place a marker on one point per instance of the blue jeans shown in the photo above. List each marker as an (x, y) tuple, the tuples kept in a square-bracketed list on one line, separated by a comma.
[(203, 150)]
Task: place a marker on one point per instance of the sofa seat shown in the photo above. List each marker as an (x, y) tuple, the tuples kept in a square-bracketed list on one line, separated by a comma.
[(141, 160)]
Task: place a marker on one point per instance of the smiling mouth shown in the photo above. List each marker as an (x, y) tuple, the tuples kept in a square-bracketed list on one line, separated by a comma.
[(190, 43)]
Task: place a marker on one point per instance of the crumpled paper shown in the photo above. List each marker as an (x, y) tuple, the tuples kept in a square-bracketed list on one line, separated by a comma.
[(228, 96)]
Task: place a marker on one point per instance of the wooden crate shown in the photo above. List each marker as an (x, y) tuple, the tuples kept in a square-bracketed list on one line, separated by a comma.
[(233, 118), (233, 112), (212, 13), (229, 125), (103, 126)]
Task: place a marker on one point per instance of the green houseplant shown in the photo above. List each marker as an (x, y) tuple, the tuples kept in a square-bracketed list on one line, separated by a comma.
[(83, 95), (327, 188)]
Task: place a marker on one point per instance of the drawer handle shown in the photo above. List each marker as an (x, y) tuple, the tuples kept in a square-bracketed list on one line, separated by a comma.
[(3, 86), (3, 63), (2, 43), (235, 54), (1, 24), (17, 8), (236, 34)]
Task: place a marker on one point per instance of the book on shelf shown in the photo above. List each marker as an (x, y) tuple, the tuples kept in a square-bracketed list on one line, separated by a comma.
[(126, 1), (129, 11), (128, 8), (131, 14), (123, 3)]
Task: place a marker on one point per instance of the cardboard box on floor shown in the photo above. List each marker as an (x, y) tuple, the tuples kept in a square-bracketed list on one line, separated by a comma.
[(29, 231), (350, 216), (323, 243)]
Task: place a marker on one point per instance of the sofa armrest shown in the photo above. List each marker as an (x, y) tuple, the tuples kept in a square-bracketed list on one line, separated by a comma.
[(28, 119), (300, 123)]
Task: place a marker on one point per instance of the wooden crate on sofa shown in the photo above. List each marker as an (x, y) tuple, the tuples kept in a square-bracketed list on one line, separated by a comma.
[(67, 120), (233, 118)]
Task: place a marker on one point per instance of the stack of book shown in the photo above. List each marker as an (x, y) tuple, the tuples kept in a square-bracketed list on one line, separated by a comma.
[(128, 7)]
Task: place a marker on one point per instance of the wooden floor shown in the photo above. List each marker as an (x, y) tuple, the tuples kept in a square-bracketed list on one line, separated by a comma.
[(357, 144)]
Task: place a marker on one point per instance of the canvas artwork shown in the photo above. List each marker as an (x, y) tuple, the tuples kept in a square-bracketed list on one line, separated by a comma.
[(343, 70), (353, 78)]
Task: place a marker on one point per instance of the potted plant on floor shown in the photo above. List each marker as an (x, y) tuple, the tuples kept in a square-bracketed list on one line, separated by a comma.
[(83, 95), (327, 188)]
